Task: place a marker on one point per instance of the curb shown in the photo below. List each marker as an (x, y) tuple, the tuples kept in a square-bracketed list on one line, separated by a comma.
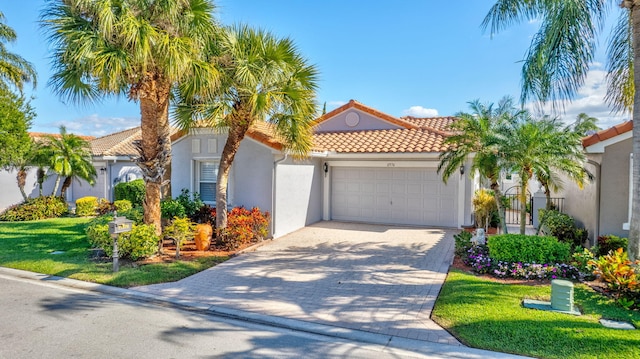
[(434, 350)]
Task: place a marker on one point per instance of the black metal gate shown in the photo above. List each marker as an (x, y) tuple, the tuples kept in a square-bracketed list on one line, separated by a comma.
[(513, 205)]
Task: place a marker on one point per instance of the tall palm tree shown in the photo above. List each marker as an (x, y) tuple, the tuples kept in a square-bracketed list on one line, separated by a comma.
[(14, 70), (477, 138), (584, 124), (264, 78), (69, 157), (544, 148), (141, 49), (560, 54)]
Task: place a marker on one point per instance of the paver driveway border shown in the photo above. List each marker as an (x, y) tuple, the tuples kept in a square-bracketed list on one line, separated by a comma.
[(373, 278)]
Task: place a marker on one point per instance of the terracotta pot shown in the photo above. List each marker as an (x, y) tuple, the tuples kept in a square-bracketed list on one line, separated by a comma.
[(492, 230), (202, 236)]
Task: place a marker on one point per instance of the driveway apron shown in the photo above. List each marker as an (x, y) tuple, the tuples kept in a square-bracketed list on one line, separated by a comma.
[(374, 278)]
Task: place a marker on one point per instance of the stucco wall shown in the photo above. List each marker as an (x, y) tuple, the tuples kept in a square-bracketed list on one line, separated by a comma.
[(614, 199), (250, 177), (581, 203), (298, 195), (10, 194), (366, 122)]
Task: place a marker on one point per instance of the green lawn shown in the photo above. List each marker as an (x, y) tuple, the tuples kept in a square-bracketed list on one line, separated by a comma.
[(30, 246), (489, 315)]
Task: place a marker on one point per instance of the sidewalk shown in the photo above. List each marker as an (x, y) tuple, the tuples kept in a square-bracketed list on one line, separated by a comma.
[(434, 350)]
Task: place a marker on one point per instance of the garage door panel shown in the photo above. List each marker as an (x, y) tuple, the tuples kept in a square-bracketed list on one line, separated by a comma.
[(415, 196)]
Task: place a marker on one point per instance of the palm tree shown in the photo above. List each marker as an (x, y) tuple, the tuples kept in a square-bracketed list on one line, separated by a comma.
[(264, 78), (14, 70), (477, 138), (561, 52), (69, 157), (139, 49), (544, 148), (21, 165), (584, 124)]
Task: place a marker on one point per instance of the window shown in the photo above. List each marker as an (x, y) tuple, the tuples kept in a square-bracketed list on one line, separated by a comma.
[(206, 181)]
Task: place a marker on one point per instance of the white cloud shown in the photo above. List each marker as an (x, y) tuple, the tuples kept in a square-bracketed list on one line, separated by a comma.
[(94, 125), (590, 100), (419, 111)]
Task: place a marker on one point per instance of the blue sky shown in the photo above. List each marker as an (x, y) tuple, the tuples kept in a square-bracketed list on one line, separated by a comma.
[(411, 57)]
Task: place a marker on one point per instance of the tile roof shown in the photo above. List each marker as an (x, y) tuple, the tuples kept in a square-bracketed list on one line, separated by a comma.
[(434, 123), (121, 143), (41, 135), (416, 135), (380, 141), (607, 134)]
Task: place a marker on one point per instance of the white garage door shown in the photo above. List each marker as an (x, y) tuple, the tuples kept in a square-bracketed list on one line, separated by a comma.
[(415, 196)]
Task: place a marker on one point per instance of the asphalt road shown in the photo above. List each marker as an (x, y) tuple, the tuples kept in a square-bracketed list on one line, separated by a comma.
[(44, 320)]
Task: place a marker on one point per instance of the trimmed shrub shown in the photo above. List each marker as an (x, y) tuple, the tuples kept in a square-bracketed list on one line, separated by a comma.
[(86, 206), (133, 191), (35, 209), (528, 249), (123, 205), (140, 242), (563, 227), (609, 242), (171, 208), (134, 214)]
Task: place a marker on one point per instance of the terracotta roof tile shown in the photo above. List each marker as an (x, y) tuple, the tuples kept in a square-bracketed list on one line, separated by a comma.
[(435, 123), (40, 135), (607, 134), (380, 141)]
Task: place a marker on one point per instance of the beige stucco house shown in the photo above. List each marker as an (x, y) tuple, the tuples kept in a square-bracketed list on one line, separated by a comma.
[(604, 205)]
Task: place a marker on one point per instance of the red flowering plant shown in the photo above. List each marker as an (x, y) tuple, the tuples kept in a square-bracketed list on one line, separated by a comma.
[(243, 227)]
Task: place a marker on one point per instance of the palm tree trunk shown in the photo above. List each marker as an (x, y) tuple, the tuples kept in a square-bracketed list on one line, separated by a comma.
[(524, 184), (40, 176), (154, 110), (22, 181), (495, 187), (165, 131), (634, 233), (236, 134), (56, 185), (65, 185)]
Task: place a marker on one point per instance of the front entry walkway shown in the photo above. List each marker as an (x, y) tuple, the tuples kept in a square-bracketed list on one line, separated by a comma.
[(374, 278)]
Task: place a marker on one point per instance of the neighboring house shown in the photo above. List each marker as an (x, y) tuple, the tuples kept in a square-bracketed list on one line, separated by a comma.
[(9, 192), (366, 166), (604, 205), (112, 158)]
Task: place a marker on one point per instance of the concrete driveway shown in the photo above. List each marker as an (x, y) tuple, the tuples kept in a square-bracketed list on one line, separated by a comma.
[(374, 278)]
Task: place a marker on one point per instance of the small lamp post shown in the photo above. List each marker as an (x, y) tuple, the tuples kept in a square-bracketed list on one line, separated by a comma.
[(117, 226)]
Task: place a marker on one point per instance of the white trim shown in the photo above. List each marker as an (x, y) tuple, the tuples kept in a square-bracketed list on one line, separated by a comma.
[(627, 226), (600, 146), (389, 164), (462, 186), (326, 192)]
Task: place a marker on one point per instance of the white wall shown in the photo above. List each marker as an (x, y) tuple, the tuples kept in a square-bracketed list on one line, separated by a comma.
[(298, 195), (10, 194), (366, 122)]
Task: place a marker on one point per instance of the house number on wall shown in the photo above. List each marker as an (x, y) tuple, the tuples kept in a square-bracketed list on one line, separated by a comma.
[(391, 164)]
